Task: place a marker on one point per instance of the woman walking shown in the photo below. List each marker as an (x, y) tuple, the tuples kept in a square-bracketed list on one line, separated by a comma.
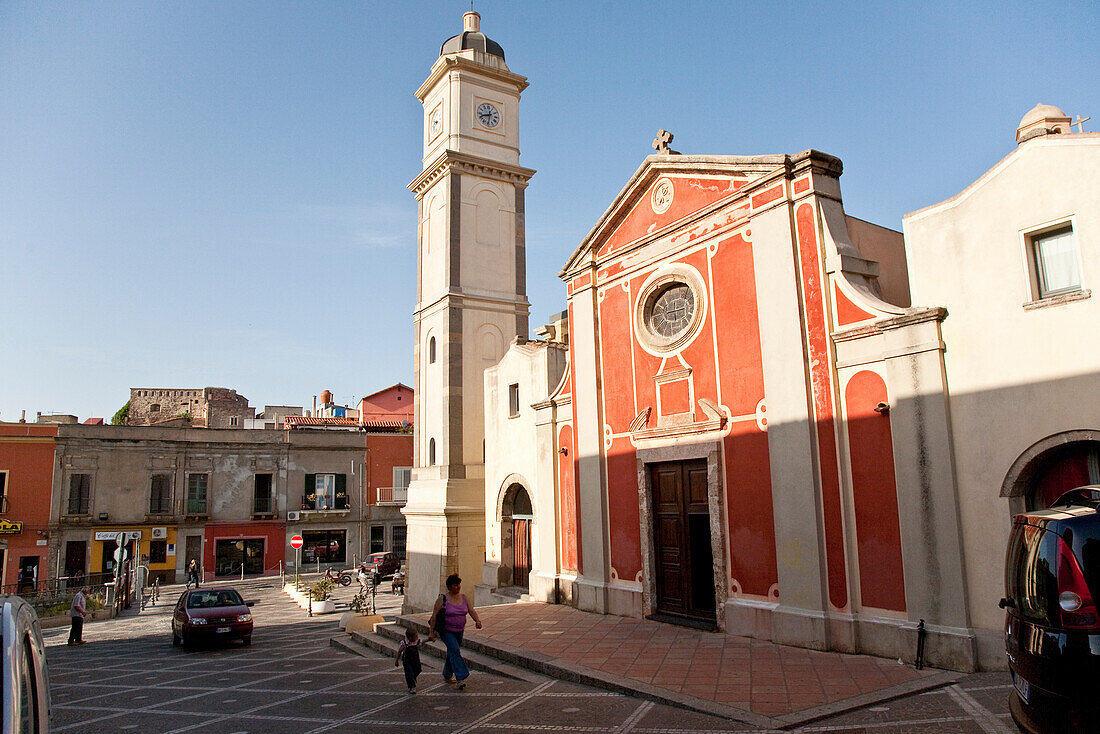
[(454, 606)]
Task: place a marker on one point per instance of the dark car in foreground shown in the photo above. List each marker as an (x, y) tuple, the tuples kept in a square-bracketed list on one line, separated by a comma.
[(26, 683), (211, 614), (1052, 625)]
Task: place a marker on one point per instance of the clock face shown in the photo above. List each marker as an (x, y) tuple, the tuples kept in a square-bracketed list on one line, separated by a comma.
[(672, 311), (436, 123), (488, 115)]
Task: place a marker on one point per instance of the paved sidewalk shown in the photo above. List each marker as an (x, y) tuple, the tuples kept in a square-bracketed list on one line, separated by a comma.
[(739, 677)]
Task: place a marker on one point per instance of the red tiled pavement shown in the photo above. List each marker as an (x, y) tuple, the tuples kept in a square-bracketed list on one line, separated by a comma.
[(756, 676)]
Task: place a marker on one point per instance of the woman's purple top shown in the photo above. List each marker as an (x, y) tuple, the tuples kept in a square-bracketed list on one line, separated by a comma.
[(454, 619)]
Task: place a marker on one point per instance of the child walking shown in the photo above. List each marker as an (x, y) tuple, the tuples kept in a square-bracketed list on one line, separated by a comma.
[(408, 653)]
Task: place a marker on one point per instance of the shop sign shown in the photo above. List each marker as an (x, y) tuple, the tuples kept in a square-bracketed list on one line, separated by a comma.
[(8, 527), (109, 535)]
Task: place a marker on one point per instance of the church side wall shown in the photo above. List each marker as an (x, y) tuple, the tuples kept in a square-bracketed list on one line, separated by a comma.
[(520, 451)]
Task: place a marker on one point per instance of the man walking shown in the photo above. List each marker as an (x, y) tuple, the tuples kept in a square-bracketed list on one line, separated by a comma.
[(193, 574), (77, 612)]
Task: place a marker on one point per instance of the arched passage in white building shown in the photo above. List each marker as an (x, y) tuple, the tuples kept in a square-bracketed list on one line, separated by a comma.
[(516, 515), (1052, 466)]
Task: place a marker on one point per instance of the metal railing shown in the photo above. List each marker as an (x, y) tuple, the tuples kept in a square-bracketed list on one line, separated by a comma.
[(393, 496), (318, 505), (55, 587), (57, 592), (160, 506), (263, 505), (78, 506), (195, 507)]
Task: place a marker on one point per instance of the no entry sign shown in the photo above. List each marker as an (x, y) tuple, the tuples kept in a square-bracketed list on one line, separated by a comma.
[(296, 542)]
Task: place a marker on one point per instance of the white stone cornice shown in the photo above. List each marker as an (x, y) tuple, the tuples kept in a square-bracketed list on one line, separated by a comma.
[(909, 318), (446, 64), (762, 171), (453, 161)]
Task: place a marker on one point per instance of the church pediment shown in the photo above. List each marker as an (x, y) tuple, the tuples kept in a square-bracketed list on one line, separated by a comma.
[(665, 192)]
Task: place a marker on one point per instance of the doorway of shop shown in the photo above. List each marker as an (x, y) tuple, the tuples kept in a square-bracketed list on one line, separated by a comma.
[(76, 556), (230, 556), (28, 574)]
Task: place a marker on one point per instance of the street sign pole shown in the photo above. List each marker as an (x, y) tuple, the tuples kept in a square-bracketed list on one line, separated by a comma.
[(296, 543)]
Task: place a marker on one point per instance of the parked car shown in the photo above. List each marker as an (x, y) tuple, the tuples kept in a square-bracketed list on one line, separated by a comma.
[(26, 682), (1052, 625), (324, 552), (381, 564), (211, 614)]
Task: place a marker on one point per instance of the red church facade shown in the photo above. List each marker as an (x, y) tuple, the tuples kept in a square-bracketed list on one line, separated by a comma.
[(732, 441)]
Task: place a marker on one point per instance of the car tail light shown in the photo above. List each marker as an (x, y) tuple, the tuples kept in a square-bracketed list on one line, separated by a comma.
[(1074, 598)]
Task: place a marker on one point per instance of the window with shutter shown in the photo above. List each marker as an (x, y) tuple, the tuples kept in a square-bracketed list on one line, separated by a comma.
[(160, 495), (342, 492), (309, 494), (80, 492), (196, 494)]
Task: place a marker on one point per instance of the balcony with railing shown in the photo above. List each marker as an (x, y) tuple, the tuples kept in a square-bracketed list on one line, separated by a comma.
[(263, 508), (75, 506), (392, 496), (195, 507), (324, 504)]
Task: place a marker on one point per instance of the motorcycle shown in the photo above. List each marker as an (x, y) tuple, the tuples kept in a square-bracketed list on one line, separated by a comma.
[(342, 577)]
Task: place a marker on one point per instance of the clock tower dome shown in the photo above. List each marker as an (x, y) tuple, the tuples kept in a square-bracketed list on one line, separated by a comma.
[(471, 298)]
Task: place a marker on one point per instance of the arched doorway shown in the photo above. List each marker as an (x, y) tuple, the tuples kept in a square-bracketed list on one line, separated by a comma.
[(1051, 467), (1063, 469), (516, 515)]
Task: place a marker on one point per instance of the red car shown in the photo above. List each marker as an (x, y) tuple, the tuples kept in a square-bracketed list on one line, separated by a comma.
[(382, 564), (211, 614)]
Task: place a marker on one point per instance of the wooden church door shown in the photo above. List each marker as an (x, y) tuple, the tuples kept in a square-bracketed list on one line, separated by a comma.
[(684, 561)]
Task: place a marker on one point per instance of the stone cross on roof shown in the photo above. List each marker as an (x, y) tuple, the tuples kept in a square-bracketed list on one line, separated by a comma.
[(660, 143), (1080, 123)]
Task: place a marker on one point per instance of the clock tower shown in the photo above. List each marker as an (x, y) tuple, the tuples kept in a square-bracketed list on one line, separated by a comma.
[(471, 298)]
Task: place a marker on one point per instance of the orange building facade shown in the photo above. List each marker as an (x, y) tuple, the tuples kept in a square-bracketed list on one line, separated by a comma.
[(26, 477)]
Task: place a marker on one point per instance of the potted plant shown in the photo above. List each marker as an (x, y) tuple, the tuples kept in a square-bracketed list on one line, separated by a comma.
[(358, 606), (321, 602), (362, 617)]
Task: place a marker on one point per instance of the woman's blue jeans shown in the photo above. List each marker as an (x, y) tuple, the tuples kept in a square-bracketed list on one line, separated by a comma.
[(454, 666)]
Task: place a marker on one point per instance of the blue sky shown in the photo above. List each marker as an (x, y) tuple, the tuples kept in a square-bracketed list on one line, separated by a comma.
[(210, 193)]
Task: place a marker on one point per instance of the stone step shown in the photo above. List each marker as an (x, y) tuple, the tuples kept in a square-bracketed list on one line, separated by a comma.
[(490, 596), (549, 667), (386, 638)]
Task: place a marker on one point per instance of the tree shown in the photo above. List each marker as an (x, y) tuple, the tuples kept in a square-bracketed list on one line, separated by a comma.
[(119, 418)]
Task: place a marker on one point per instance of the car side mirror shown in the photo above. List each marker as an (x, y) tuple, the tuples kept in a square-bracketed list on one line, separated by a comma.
[(1007, 603), (250, 603)]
